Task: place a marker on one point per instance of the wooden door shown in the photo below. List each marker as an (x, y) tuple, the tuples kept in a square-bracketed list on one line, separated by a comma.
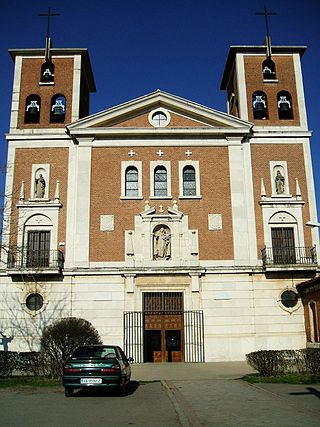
[(283, 245)]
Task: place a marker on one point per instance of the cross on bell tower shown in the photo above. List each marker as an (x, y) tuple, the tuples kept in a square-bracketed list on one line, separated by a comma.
[(48, 39), (268, 39)]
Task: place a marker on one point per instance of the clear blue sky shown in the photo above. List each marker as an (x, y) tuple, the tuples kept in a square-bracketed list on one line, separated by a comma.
[(179, 46)]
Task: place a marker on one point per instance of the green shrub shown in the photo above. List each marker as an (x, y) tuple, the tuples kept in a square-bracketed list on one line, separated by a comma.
[(277, 362), (8, 362), (60, 340), (312, 360), (267, 362)]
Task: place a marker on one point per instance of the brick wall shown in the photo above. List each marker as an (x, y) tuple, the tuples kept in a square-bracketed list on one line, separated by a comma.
[(106, 191), (58, 160), (63, 84), (262, 154), (286, 81)]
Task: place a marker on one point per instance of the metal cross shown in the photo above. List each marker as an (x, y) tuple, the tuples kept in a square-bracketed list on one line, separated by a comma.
[(49, 14), (160, 153), (268, 40), (188, 153), (131, 153)]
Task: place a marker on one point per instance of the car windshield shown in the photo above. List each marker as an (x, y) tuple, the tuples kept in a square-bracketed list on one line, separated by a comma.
[(95, 352)]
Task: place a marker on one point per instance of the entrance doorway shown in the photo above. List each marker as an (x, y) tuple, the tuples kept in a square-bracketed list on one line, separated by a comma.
[(163, 327)]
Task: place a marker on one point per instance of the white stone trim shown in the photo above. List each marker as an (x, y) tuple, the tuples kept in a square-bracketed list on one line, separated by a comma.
[(44, 169), (300, 92), (311, 194), (71, 204), (239, 207), (289, 309), (106, 223), (160, 110), (7, 206), (76, 88), (34, 218), (124, 165), (78, 214), (16, 93), (214, 222), (167, 165), (283, 167), (281, 215), (195, 165), (242, 89)]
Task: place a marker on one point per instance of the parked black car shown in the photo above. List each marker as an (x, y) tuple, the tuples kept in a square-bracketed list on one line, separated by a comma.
[(97, 366)]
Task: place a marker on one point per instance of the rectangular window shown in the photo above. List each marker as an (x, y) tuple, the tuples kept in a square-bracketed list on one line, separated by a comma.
[(38, 249), (283, 245)]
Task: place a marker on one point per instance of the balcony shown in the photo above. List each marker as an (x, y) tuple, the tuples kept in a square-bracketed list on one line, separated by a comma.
[(289, 258), (26, 261)]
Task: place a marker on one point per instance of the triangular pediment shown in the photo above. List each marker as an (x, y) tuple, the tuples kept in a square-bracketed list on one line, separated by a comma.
[(136, 114)]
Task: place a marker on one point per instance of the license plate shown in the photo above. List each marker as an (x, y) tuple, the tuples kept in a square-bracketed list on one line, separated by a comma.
[(90, 380)]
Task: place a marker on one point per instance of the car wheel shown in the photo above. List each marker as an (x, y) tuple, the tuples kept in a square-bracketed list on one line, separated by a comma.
[(68, 392), (123, 387)]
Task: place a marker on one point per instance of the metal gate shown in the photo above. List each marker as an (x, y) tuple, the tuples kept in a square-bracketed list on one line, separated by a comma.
[(133, 323)]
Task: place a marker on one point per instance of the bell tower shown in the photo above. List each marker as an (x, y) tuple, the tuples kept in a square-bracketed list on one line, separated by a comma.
[(51, 86), (264, 84)]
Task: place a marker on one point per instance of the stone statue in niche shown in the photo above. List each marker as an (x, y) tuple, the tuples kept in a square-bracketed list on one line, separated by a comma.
[(162, 244), (40, 187), (279, 183)]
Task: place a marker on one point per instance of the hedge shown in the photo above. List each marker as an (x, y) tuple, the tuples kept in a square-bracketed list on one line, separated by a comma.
[(277, 362)]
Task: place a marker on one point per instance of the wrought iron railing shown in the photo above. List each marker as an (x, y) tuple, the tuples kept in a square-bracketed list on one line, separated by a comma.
[(289, 255), (26, 259)]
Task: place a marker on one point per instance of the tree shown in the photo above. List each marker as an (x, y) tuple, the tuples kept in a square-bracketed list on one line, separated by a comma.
[(60, 340)]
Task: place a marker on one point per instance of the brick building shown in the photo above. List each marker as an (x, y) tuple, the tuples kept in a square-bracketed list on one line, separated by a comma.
[(310, 296), (179, 231)]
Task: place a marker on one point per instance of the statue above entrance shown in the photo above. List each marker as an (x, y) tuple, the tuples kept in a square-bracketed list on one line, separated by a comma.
[(161, 243)]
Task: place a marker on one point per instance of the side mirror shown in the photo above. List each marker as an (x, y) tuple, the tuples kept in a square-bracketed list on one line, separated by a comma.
[(130, 359)]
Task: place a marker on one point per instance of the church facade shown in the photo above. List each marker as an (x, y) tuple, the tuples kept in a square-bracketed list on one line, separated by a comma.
[(180, 232)]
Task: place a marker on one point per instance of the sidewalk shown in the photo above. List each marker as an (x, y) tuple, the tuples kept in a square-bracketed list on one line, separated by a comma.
[(189, 371), (211, 394)]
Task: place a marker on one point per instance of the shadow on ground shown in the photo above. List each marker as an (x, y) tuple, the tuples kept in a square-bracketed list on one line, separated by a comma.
[(106, 391)]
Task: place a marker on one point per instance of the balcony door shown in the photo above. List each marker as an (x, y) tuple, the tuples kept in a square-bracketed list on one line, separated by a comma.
[(283, 245), (38, 249)]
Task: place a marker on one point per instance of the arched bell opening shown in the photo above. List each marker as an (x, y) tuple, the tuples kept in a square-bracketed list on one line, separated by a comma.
[(47, 72), (32, 109), (284, 104), (259, 105), (269, 69), (58, 109)]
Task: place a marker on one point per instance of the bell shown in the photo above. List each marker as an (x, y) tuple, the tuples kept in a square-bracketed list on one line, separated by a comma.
[(58, 108), (259, 106), (33, 108), (284, 104)]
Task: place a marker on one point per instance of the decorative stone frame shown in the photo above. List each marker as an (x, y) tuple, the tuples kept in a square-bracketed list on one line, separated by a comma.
[(289, 309), (29, 288), (139, 242), (33, 218), (195, 165), (124, 166), (274, 167), (275, 217), (159, 110), (167, 165), (44, 169)]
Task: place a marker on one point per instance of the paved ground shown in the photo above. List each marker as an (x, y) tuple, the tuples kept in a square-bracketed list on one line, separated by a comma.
[(169, 395), (211, 394)]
